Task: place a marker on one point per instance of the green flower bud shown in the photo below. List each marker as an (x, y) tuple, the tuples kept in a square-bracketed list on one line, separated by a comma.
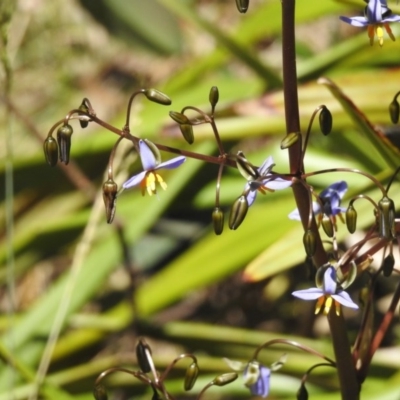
[(302, 393), (327, 225), (386, 218), (351, 219), (157, 96), (213, 97), (143, 353), (238, 212), (290, 139), (394, 111), (242, 5), (388, 265), (100, 392), (179, 117), (224, 379), (325, 121), (218, 220), (191, 375), (64, 134), (187, 132), (83, 107), (110, 190), (50, 148), (247, 170), (309, 242)]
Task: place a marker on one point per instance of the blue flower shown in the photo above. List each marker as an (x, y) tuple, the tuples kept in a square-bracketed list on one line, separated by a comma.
[(377, 16), (266, 181), (330, 294), (329, 203), (148, 178), (256, 378)]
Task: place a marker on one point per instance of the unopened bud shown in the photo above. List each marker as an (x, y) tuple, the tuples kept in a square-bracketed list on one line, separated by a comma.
[(191, 375), (84, 123), (302, 393), (242, 5), (224, 379), (213, 97), (351, 219), (143, 353), (388, 265), (325, 121), (64, 134), (290, 139), (327, 225), (50, 148), (187, 132), (386, 218), (157, 96), (309, 242), (110, 189), (247, 170), (238, 212), (218, 220), (394, 111), (179, 117), (100, 392)]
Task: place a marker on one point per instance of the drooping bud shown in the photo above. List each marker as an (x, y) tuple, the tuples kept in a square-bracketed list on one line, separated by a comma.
[(143, 353), (154, 150), (191, 375), (110, 189), (179, 117), (242, 5), (213, 97), (386, 218), (247, 170), (238, 212), (327, 225), (351, 219), (64, 134), (325, 121), (388, 265), (224, 379), (309, 242), (302, 393), (290, 139), (187, 132), (218, 220), (100, 392), (394, 111), (83, 107), (157, 97), (50, 148)]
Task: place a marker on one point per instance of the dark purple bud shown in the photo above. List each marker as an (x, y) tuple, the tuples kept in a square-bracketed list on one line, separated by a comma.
[(242, 5), (225, 379), (50, 148), (84, 123), (179, 117), (388, 265), (302, 393), (99, 392), (218, 220), (386, 218), (143, 353), (309, 242), (238, 212), (325, 121), (351, 219), (290, 139), (187, 132), (157, 96), (64, 134), (394, 111), (110, 189), (191, 375)]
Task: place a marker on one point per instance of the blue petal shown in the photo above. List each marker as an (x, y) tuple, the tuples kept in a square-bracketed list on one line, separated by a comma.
[(355, 21), (261, 387), (334, 191), (330, 283), (294, 215), (135, 180), (146, 156), (344, 299), (277, 183), (309, 294), (392, 18), (266, 166), (374, 11), (251, 195), (172, 163)]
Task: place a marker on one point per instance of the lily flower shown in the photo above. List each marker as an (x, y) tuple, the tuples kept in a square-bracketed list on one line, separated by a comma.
[(331, 294), (329, 203), (377, 16), (148, 178), (265, 181)]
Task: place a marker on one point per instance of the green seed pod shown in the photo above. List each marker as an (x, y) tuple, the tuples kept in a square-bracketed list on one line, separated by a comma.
[(224, 379), (157, 96), (110, 189), (351, 219), (143, 352), (242, 5), (302, 393), (179, 117), (309, 242), (245, 168), (100, 392), (238, 212), (213, 97), (64, 134), (325, 121), (191, 375), (84, 109), (218, 220), (394, 111), (154, 150), (386, 218), (290, 139), (327, 225), (187, 132), (388, 265), (50, 148)]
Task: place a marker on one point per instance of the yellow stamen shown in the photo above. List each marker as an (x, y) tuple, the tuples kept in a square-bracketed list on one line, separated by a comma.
[(328, 305), (320, 303), (379, 33), (149, 183), (389, 32)]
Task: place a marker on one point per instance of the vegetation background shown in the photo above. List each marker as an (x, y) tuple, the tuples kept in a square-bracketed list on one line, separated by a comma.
[(76, 292)]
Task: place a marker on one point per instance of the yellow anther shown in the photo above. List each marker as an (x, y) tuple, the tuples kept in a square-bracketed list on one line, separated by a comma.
[(149, 183)]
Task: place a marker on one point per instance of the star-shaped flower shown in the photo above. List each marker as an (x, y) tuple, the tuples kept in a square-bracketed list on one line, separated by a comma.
[(148, 178), (330, 294), (377, 16), (329, 204), (264, 181)]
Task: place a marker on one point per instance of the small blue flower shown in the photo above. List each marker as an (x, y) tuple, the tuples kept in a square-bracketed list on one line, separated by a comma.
[(329, 204), (377, 16), (256, 378), (330, 294), (148, 178), (266, 181)]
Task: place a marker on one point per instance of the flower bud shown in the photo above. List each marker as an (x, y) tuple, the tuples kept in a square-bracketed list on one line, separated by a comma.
[(388, 265), (143, 353), (325, 121), (394, 111), (290, 139), (110, 189), (218, 220), (64, 134), (157, 96), (238, 212), (351, 219), (327, 225), (83, 107), (100, 392), (187, 132), (179, 117), (302, 393), (242, 5), (309, 242), (224, 379), (191, 375), (245, 168), (214, 96), (386, 218), (50, 148)]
